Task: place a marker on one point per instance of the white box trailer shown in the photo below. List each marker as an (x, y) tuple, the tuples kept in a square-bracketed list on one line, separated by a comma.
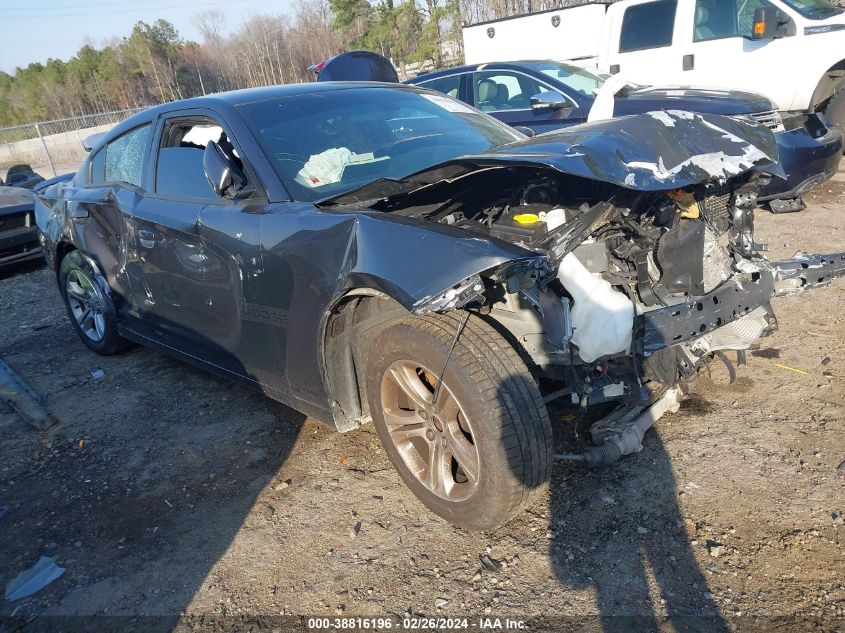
[(555, 34)]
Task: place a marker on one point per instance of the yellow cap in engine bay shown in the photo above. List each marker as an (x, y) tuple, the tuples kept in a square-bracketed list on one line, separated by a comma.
[(526, 218)]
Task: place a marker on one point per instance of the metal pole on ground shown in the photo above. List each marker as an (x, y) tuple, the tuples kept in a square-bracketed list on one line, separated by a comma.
[(23, 400)]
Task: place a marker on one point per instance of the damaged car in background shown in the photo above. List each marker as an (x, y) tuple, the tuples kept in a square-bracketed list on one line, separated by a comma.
[(18, 232), (373, 252), (549, 95)]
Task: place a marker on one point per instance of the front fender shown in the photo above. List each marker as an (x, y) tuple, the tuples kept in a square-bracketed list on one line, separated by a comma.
[(417, 262), (825, 54), (312, 259)]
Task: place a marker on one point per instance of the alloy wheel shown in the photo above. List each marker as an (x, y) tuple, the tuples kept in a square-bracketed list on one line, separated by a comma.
[(434, 437), (86, 305)]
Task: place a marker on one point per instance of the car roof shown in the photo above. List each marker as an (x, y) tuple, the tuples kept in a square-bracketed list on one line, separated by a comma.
[(514, 65), (224, 101), (252, 95)]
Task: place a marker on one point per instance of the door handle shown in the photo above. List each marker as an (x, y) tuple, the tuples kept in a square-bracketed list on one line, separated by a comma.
[(146, 238), (689, 62)]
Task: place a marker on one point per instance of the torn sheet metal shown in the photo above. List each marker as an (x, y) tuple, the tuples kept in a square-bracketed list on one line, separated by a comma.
[(805, 271)]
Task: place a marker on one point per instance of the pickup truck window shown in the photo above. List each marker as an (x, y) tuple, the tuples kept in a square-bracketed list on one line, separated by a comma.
[(717, 19), (648, 25)]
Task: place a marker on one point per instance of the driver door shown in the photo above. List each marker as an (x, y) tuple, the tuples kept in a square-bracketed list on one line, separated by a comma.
[(197, 250), (718, 48)]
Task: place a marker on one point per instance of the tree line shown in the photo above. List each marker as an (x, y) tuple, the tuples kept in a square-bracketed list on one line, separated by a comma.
[(154, 63)]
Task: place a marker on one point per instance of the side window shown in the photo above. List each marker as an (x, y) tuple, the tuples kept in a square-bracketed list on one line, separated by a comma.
[(125, 155), (715, 19), (498, 90), (648, 25), (745, 16), (447, 85), (179, 170)]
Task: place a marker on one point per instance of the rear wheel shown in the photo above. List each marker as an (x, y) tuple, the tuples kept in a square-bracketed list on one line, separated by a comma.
[(89, 307), (481, 450)]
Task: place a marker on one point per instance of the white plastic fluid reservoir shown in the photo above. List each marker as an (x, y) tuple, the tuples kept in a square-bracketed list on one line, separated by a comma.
[(602, 318), (555, 218)]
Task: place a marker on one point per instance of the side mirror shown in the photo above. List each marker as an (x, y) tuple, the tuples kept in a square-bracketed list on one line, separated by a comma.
[(765, 24), (524, 130), (221, 171), (548, 101)]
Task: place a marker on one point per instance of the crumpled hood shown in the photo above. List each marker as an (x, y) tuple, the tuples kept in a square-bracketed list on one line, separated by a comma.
[(657, 151)]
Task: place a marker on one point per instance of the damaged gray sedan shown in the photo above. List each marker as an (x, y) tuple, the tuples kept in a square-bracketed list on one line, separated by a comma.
[(372, 252)]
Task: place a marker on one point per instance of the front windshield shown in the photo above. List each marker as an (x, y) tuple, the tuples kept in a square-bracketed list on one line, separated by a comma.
[(585, 81), (814, 9), (328, 142)]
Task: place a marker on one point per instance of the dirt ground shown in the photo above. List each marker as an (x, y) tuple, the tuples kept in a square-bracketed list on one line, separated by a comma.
[(166, 491)]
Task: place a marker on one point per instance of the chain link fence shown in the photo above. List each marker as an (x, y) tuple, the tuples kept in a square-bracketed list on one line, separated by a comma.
[(53, 147)]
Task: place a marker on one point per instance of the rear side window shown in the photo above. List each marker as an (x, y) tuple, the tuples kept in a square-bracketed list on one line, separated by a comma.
[(648, 25), (125, 156), (447, 85)]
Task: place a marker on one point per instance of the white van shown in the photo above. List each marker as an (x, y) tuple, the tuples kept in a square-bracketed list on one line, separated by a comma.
[(792, 51)]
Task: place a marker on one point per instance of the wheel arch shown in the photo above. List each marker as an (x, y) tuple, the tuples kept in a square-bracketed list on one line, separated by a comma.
[(831, 82), (99, 277), (350, 321), (63, 248)]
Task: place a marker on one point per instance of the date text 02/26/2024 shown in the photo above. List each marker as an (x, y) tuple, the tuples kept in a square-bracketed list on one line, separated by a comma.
[(416, 624)]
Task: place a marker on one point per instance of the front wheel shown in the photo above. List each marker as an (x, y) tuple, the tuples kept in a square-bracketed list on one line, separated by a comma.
[(481, 450), (89, 307)]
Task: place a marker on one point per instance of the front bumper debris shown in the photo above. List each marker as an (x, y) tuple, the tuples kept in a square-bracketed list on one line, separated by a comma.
[(805, 271), (809, 155), (735, 298)]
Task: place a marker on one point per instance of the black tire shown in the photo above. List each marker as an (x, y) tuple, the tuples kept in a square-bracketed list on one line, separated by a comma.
[(498, 399), (105, 340), (834, 109)]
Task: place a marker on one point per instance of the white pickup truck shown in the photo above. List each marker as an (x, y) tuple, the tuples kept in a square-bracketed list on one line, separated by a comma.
[(792, 51)]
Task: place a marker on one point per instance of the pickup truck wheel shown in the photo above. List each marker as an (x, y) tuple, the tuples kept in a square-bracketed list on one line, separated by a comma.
[(834, 109), (482, 450), (91, 311)]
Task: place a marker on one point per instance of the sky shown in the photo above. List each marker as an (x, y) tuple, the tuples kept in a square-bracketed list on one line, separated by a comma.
[(35, 30)]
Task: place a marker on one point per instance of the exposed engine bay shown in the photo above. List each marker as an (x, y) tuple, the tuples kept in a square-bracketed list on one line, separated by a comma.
[(640, 291), (620, 255), (641, 266)]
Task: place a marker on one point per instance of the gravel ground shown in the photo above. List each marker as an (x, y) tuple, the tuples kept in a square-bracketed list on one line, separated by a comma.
[(166, 491)]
